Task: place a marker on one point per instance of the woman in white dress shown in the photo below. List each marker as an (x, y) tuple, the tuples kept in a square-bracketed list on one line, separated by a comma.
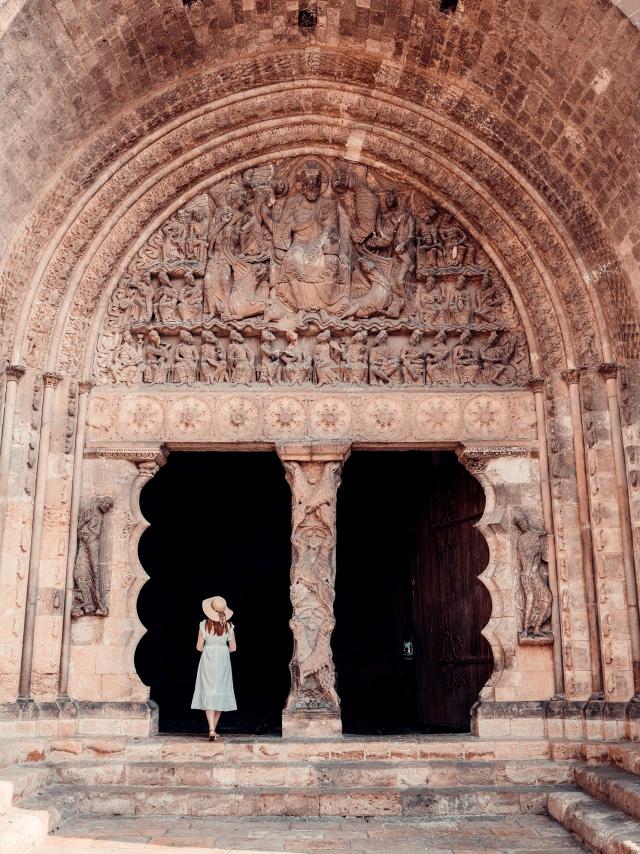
[(214, 682)]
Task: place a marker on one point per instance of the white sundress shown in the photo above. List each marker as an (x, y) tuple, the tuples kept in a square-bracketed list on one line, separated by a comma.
[(214, 682)]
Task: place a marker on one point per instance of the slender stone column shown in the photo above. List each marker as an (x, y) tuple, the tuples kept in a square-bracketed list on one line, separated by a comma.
[(609, 372), (313, 473), (72, 547), (537, 386), (51, 380), (13, 372), (572, 378)]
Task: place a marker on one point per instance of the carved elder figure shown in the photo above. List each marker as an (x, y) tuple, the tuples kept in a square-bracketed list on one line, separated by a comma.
[(156, 358), (536, 596), (213, 359), (412, 360), (325, 354), (185, 366), (296, 362), (356, 358), (88, 583), (438, 361), (128, 361), (308, 240), (239, 360), (270, 358), (383, 365)]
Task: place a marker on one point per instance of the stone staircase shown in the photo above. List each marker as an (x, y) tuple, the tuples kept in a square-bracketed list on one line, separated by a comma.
[(604, 810), (44, 782)]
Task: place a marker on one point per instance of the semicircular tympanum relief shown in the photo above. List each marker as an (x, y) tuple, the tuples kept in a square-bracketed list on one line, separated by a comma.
[(312, 270)]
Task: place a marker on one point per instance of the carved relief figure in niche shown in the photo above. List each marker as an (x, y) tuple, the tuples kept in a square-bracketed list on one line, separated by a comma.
[(358, 201), (270, 356), (459, 308), (189, 308), (166, 304), (174, 235), (395, 240), (429, 240), (496, 358), (197, 243), (213, 359), (296, 362), (89, 582), (457, 248), (432, 302), (466, 364), (185, 365), (326, 359), (223, 244), (535, 599), (128, 361), (438, 361), (356, 361), (412, 363), (239, 360), (156, 359), (371, 289), (487, 302), (383, 365), (271, 211), (308, 238)]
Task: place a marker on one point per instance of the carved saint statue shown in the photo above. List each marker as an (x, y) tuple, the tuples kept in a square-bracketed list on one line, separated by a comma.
[(356, 360), (270, 356), (166, 302), (197, 242), (326, 359), (437, 359), (224, 236), (156, 358), (432, 302), (89, 593), (128, 361), (536, 596), (239, 360), (185, 364), (213, 359), (383, 365), (466, 364), (189, 307), (412, 360), (308, 240), (395, 239), (296, 362)]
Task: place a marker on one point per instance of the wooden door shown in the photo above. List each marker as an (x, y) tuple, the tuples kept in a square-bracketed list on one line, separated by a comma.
[(450, 604)]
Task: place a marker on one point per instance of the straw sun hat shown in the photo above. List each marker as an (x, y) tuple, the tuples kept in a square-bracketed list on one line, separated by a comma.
[(215, 606)]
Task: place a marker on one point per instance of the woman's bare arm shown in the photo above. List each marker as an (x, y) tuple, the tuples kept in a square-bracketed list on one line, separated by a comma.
[(200, 643), (232, 641)]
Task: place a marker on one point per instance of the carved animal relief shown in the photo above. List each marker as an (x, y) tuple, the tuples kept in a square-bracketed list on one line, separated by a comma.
[(312, 271)]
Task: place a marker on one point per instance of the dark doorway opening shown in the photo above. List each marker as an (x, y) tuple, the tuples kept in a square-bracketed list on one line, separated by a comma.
[(409, 606), (219, 525)]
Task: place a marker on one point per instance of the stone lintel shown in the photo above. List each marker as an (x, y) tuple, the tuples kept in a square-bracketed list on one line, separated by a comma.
[(317, 453)]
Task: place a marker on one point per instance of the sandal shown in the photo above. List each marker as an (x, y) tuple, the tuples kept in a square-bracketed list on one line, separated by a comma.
[(212, 735)]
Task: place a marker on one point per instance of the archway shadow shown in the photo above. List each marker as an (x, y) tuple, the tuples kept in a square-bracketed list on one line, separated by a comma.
[(219, 525)]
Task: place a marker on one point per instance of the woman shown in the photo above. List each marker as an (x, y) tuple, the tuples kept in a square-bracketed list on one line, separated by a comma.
[(214, 682)]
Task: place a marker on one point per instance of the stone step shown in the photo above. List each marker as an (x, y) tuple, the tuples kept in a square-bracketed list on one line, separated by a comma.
[(625, 756), (23, 829), (274, 749), (602, 827), (20, 781), (323, 773), (155, 800), (611, 785)]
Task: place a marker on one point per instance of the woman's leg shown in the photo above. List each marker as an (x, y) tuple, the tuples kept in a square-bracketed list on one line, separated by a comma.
[(211, 719), (216, 718)]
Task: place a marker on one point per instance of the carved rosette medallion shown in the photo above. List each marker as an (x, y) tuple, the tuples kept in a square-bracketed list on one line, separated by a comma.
[(189, 416), (485, 416), (142, 416), (286, 416), (384, 416), (238, 416), (330, 417), (438, 418), (103, 414)]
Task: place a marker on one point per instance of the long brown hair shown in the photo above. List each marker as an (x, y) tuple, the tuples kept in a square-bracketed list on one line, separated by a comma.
[(217, 626)]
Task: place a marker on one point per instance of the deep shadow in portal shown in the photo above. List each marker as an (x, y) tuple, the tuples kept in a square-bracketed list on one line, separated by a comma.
[(220, 524)]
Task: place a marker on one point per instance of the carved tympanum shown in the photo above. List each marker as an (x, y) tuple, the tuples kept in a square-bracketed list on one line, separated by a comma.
[(312, 270), (89, 582), (313, 487), (534, 599)]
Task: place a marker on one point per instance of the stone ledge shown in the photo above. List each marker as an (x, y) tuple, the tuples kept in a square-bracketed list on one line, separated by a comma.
[(77, 717)]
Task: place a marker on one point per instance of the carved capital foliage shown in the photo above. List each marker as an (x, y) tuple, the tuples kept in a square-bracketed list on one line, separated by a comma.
[(51, 379), (476, 459), (85, 386), (14, 372), (536, 384), (572, 376), (608, 370)]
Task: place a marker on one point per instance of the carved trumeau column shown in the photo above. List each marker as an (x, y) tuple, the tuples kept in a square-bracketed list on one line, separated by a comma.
[(609, 372), (313, 473), (572, 378)]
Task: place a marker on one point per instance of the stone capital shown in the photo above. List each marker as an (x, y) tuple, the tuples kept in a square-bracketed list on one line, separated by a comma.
[(536, 384), (572, 375), (476, 459), (85, 386), (14, 372), (608, 370), (51, 379)]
